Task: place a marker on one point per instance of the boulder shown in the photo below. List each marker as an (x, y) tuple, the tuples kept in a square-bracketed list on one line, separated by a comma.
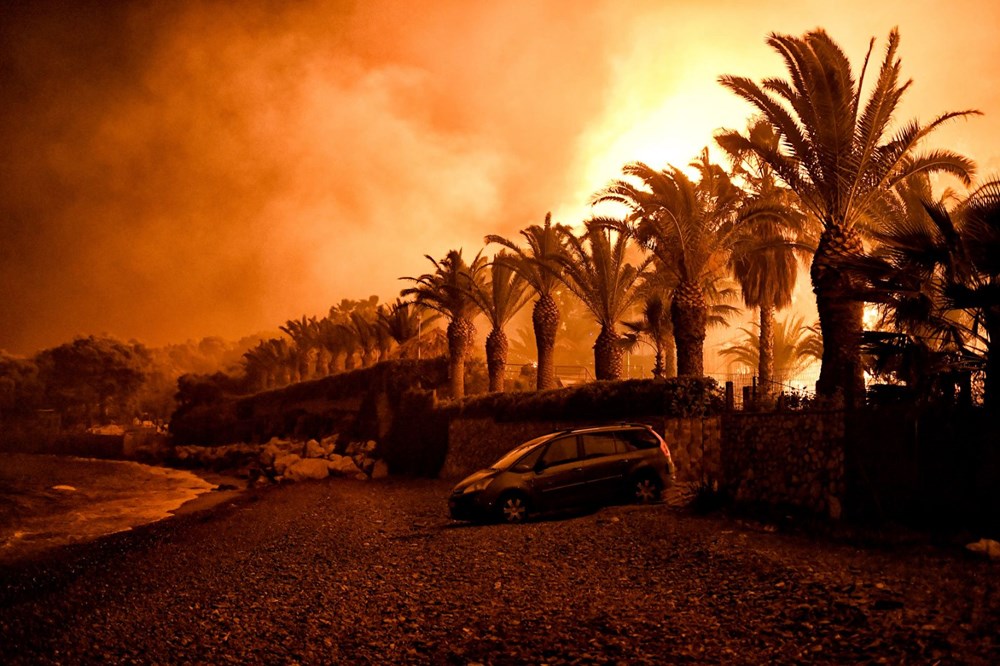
[(986, 547), (380, 469), (307, 468), (369, 446), (343, 465), (313, 449), (283, 462), (269, 454), (329, 442)]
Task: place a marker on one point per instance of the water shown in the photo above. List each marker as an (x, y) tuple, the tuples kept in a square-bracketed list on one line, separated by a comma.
[(48, 501)]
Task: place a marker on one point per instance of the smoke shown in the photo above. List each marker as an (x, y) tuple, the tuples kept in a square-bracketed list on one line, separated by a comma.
[(179, 170), (175, 170)]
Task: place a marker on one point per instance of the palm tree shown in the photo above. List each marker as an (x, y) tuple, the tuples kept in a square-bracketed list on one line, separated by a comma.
[(935, 273), (792, 350), (655, 326), (763, 260), (303, 333), (838, 157), (499, 298), (405, 320), (595, 269), (979, 292), (446, 290), (688, 227), (537, 265)]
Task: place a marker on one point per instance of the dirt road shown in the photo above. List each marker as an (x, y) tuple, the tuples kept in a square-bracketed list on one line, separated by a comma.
[(349, 572)]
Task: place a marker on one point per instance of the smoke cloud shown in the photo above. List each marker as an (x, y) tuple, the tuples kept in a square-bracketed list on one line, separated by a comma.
[(174, 170)]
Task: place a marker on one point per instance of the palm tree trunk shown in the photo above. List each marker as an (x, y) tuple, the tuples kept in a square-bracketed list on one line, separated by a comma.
[(461, 334), (689, 315), (840, 316), (765, 361), (545, 319), (669, 357), (608, 354), (496, 358)]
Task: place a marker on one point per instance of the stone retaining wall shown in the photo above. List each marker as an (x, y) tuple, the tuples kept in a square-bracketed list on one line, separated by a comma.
[(786, 458), (474, 443)]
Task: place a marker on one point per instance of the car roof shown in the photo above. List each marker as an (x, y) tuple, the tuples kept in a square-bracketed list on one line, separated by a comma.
[(604, 428)]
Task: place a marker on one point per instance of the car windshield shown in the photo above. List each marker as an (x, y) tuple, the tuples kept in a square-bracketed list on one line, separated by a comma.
[(515, 455)]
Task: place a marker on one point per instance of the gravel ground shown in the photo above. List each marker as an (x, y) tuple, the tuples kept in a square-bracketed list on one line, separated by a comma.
[(348, 572)]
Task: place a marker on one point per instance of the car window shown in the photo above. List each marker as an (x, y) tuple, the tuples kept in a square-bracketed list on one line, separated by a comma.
[(560, 451), (600, 444), (634, 440), (528, 461)]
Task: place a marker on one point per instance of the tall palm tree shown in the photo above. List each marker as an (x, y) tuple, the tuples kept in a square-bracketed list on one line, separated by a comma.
[(764, 260), (838, 156), (688, 227), (499, 297), (536, 263), (446, 290), (595, 269)]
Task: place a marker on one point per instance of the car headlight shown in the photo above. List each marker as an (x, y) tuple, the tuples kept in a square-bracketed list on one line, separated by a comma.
[(477, 486)]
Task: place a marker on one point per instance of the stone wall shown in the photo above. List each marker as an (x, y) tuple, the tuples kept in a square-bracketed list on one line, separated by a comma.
[(474, 443), (786, 458), (695, 446)]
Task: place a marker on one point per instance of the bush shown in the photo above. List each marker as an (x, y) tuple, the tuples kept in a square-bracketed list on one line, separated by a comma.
[(617, 400)]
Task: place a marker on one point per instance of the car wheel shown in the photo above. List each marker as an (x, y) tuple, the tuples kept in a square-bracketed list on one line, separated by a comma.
[(512, 508), (646, 490)]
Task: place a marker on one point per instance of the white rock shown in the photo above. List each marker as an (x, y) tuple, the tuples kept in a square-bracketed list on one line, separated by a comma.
[(283, 462), (312, 449), (380, 470), (370, 446), (308, 468), (361, 476), (330, 441)]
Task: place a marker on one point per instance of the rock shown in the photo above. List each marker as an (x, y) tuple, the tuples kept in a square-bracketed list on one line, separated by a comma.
[(987, 547), (330, 442), (307, 468), (283, 462), (361, 476), (380, 470), (313, 449), (269, 454), (369, 446), (344, 466)]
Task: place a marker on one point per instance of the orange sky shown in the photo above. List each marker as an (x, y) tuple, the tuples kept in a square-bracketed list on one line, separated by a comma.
[(216, 168)]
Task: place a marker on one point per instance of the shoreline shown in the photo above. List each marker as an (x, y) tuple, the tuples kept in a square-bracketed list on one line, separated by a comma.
[(59, 502)]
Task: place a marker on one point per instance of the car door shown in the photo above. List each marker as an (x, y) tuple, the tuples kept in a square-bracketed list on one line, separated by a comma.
[(603, 469), (559, 480)]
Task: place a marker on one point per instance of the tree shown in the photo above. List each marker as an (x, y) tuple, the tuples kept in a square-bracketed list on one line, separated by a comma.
[(688, 227), (405, 321), (596, 271), (792, 349), (536, 263), (303, 333), (92, 377), (656, 328), (763, 259), (499, 297), (838, 156), (446, 290)]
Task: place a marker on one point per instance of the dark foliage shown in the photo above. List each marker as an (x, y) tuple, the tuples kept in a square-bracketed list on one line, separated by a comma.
[(601, 401)]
